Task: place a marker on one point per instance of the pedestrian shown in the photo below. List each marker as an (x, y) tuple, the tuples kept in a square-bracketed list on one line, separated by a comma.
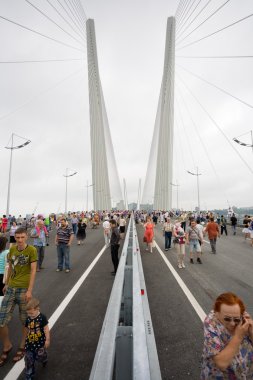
[(122, 226), (179, 241), (13, 229), (251, 231), (193, 235), (74, 222), (81, 231), (149, 234), (212, 229), (233, 220), (3, 264), (107, 231), (39, 233), (114, 241), (167, 231), (4, 224), (18, 288), (37, 338), (223, 225), (228, 336), (63, 239)]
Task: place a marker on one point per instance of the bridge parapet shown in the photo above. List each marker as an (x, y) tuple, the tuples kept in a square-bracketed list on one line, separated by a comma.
[(126, 349)]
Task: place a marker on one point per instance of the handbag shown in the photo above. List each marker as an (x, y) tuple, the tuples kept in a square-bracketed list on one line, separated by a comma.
[(144, 239)]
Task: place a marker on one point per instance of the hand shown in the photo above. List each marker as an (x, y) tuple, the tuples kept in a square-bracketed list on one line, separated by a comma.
[(28, 296), (47, 343), (248, 318), (4, 289), (243, 328)]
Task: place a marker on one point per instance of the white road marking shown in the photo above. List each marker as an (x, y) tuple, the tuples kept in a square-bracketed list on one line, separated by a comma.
[(184, 288), (16, 370)]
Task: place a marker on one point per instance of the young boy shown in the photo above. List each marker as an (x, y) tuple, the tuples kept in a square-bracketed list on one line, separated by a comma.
[(37, 339)]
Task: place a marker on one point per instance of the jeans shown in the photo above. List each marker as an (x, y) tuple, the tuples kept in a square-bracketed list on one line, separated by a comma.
[(31, 357), (234, 229), (167, 235), (74, 226), (40, 252), (115, 256), (213, 244), (63, 256)]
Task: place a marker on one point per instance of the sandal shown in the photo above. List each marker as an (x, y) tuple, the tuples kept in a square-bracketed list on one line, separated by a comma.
[(19, 355), (4, 357)]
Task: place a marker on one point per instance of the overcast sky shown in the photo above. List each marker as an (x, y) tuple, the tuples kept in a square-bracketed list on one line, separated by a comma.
[(48, 102)]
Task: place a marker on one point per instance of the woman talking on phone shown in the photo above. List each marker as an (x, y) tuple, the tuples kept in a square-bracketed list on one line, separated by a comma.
[(228, 341)]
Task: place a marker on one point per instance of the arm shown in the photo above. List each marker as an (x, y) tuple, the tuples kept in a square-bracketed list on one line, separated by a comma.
[(47, 334), (9, 272), (71, 239), (56, 239), (225, 357), (28, 294)]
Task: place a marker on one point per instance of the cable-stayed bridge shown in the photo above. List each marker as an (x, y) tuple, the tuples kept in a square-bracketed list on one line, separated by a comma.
[(174, 149)]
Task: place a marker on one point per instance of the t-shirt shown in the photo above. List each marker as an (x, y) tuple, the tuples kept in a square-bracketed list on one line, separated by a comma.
[(21, 266), (216, 338), (63, 234), (194, 233), (36, 336), (212, 229)]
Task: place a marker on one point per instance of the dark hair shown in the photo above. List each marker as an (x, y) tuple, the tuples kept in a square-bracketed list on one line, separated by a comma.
[(20, 230), (3, 242), (113, 222), (211, 219)]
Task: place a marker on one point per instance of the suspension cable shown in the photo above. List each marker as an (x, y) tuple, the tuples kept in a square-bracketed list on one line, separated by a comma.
[(214, 56), (215, 86), (43, 61), (45, 15), (217, 31), (203, 22), (215, 123), (40, 34)]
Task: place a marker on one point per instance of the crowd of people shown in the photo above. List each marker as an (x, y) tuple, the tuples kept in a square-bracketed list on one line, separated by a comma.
[(228, 329)]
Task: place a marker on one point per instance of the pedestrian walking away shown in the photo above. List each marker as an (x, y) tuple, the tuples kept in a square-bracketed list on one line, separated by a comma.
[(39, 233), (63, 240), (18, 288), (212, 229), (115, 239)]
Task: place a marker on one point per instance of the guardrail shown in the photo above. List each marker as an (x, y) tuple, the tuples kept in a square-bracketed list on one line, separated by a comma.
[(126, 349)]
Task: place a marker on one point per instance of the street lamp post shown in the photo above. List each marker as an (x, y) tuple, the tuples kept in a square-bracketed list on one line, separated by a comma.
[(87, 194), (177, 186), (10, 167), (197, 175), (66, 190)]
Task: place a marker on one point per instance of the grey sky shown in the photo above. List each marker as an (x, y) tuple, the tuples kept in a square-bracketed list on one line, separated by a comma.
[(48, 102)]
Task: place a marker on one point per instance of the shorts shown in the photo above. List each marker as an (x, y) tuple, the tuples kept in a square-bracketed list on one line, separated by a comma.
[(12, 297), (195, 246)]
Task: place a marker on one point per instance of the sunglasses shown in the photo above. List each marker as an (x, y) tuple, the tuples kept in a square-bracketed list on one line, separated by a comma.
[(236, 320)]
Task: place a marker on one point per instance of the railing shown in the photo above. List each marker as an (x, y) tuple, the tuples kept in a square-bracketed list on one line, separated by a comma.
[(126, 349)]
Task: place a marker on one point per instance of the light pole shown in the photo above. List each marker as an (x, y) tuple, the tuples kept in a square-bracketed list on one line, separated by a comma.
[(177, 186), (10, 167), (197, 175), (66, 191), (87, 198)]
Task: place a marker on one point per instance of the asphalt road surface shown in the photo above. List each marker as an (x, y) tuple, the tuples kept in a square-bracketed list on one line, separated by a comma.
[(178, 327)]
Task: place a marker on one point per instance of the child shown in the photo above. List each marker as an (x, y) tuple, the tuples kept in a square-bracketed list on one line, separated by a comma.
[(37, 339)]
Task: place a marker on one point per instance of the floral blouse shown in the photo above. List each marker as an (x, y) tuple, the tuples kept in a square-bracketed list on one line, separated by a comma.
[(216, 337)]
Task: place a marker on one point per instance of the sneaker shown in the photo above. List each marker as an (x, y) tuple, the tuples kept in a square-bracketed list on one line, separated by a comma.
[(199, 260), (58, 270), (191, 261), (67, 270), (166, 249), (180, 266), (183, 266)]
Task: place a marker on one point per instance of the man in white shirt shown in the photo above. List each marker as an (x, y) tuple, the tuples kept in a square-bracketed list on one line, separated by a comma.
[(107, 231)]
